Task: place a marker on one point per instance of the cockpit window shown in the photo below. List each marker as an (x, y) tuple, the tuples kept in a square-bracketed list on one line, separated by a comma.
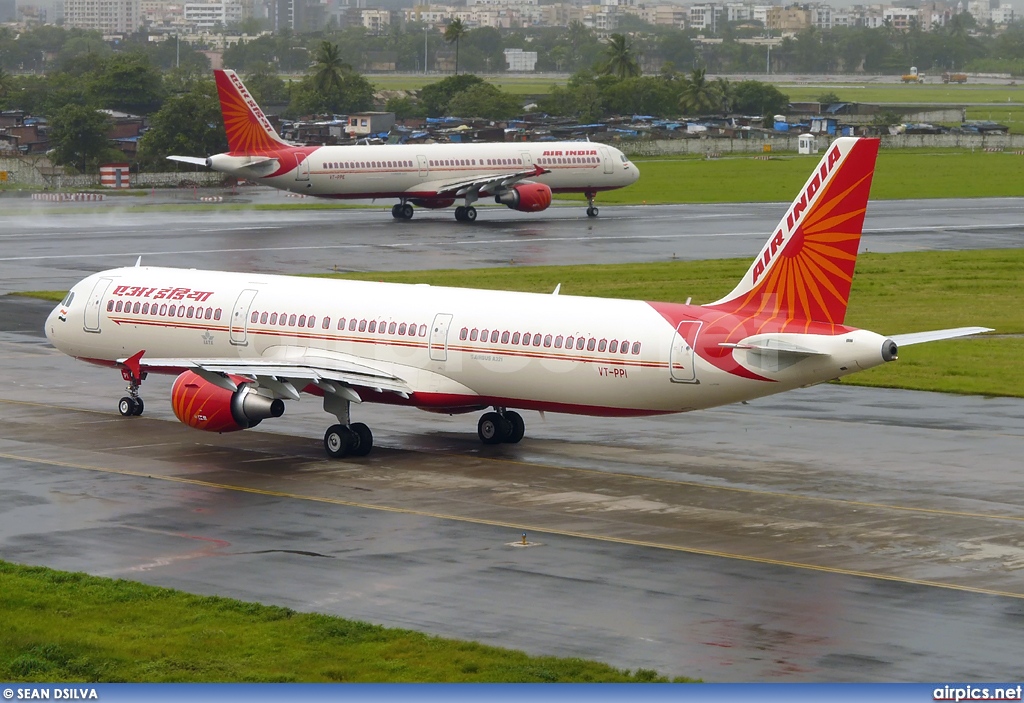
[(68, 298), (623, 157)]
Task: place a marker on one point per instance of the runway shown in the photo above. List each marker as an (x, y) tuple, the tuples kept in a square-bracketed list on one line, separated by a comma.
[(833, 533), (52, 245)]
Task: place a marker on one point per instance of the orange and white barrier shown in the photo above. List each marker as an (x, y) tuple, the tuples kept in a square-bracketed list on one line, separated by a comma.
[(68, 197)]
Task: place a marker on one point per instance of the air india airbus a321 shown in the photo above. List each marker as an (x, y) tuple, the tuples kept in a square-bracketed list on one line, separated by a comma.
[(522, 175), (243, 344)]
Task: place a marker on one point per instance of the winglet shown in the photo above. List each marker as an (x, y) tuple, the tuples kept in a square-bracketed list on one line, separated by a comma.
[(133, 365), (557, 288), (138, 261)]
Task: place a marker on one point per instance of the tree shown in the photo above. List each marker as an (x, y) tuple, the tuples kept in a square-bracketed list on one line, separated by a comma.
[(265, 86), (127, 82), (829, 98), (188, 125), (698, 96), (454, 32), (328, 68), (6, 85), (78, 135), (757, 98), (435, 97), (620, 60), (486, 101), (353, 94)]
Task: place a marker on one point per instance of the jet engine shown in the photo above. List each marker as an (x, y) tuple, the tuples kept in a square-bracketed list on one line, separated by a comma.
[(205, 406), (526, 197)]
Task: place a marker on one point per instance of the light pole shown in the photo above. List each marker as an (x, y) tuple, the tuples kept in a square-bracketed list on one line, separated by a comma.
[(425, 28)]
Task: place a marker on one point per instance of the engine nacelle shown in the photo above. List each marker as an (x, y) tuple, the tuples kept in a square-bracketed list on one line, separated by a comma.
[(526, 197), (433, 204), (204, 406)]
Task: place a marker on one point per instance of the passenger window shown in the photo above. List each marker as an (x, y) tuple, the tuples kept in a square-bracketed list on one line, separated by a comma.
[(494, 336), (392, 327), (311, 321), (402, 327), (284, 319), (602, 345), (580, 341), (252, 318), (526, 339), (326, 324), (145, 308), (558, 342), (412, 329), (362, 325), (484, 335), (591, 343), (273, 318), (216, 315), (547, 340), (209, 313), (120, 305), (352, 325), (163, 310), (263, 318), (171, 310), (373, 326), (613, 346), (110, 306), (504, 337), (341, 323), (624, 347), (568, 342), (423, 330), (291, 320), (636, 347), (302, 320), (515, 338), (473, 333)]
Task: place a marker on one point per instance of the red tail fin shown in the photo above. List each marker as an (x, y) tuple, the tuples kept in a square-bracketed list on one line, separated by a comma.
[(805, 270), (249, 130)]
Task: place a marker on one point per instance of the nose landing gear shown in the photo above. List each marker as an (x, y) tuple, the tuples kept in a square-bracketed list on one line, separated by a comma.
[(501, 427), (132, 404)]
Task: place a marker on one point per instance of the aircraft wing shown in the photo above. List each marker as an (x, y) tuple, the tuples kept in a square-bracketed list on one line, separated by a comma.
[(487, 183), (904, 340), (287, 374)]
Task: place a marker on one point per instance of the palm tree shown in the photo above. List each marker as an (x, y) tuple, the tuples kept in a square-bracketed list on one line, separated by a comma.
[(328, 69), (698, 95), (455, 31), (621, 60), (6, 83)]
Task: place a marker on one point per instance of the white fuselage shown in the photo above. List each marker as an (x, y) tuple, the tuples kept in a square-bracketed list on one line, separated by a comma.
[(422, 170), (432, 338)]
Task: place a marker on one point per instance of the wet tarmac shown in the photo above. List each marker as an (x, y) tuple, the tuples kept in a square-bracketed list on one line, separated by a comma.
[(53, 245), (832, 533)]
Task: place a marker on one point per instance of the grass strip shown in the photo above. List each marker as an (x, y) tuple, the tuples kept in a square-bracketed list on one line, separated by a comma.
[(72, 627), (892, 294)]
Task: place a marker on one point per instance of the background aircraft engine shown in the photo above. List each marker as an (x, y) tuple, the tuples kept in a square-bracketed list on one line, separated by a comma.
[(526, 197), (204, 406)]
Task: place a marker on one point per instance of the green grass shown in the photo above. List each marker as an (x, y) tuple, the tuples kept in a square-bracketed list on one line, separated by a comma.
[(63, 627), (930, 92), (899, 174), (518, 85)]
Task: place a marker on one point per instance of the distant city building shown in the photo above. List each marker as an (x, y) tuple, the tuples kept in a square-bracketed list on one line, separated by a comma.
[(900, 18), (376, 21), (106, 16), (8, 11), (520, 61), (207, 15)]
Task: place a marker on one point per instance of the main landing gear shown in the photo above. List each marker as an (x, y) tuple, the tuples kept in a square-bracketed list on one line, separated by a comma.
[(591, 209), (465, 213), (131, 404), (402, 211), (501, 427), (346, 438)]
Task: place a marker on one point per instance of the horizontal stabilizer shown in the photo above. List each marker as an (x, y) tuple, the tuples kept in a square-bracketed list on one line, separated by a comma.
[(197, 160), (905, 340), (774, 346)]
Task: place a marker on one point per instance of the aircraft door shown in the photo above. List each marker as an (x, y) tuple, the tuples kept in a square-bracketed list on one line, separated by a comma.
[(439, 337), (240, 318), (681, 355), (92, 308), (422, 161), (606, 157), (527, 159), (301, 167)]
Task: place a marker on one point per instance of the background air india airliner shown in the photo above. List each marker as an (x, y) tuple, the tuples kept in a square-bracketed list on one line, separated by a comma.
[(242, 344), (521, 175)]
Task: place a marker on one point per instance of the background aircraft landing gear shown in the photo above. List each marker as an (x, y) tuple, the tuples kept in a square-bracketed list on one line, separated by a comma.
[(402, 211), (591, 209), (465, 214), (504, 426)]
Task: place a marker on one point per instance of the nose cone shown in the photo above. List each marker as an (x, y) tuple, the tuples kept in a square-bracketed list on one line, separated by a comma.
[(634, 172), (54, 325)]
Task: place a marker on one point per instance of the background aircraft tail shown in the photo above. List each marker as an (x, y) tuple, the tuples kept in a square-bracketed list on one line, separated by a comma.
[(805, 270), (249, 131)]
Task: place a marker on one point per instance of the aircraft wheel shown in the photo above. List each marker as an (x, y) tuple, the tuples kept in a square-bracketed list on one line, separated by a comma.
[(517, 425), (139, 406), (396, 211), (460, 214), (470, 215), (493, 428), (338, 441), (126, 406), (364, 436), (407, 211), (592, 212)]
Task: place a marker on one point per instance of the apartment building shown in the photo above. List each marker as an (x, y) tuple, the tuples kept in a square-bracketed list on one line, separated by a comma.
[(106, 16)]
